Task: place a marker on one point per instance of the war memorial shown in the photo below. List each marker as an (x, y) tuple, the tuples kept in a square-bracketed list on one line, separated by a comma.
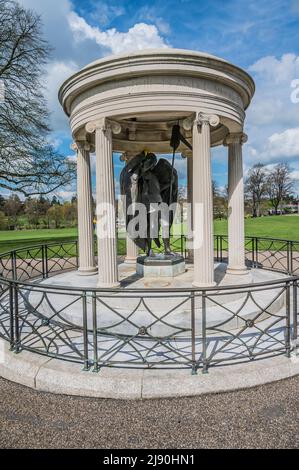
[(179, 314)]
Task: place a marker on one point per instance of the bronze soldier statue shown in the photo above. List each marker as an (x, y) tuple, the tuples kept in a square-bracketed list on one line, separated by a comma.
[(149, 181)]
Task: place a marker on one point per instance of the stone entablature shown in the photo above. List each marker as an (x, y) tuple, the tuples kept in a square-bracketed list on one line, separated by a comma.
[(168, 80)]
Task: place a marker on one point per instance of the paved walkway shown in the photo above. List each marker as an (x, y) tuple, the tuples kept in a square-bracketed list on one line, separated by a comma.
[(262, 417)]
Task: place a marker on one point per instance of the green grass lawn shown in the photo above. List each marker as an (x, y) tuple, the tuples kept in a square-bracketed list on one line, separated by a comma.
[(10, 240), (285, 227)]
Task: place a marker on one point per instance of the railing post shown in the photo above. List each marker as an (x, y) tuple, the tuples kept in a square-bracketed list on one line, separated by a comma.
[(11, 317), (295, 313), (96, 367), (182, 245), (46, 262), (77, 254), (193, 335), (43, 262), (95, 246), (217, 248), (290, 266), (17, 344), (14, 265), (85, 333), (288, 320), (256, 252), (221, 248), (252, 252), (204, 333)]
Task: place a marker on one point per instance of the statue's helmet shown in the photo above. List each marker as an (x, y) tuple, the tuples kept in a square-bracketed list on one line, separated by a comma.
[(135, 163)]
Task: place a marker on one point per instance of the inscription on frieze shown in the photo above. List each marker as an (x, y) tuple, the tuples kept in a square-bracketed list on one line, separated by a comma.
[(163, 83)]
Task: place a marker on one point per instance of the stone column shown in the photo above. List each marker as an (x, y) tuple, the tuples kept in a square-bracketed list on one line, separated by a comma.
[(132, 252), (85, 210), (188, 156), (203, 238), (106, 214), (236, 242)]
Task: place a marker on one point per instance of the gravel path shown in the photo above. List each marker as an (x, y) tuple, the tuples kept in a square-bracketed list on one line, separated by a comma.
[(266, 417)]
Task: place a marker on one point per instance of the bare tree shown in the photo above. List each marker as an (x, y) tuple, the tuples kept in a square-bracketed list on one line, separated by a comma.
[(280, 185), (256, 187), (182, 199), (28, 163), (215, 189), (219, 201)]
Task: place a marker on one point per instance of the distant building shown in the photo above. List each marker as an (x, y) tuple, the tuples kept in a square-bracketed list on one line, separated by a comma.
[(286, 209)]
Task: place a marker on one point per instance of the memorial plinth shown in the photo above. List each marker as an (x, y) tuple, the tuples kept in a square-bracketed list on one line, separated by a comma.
[(160, 265)]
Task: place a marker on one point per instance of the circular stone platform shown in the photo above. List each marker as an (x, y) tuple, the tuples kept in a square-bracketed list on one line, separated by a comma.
[(55, 376), (221, 305), (44, 373)]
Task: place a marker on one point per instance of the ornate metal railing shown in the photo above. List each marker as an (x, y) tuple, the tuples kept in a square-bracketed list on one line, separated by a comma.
[(264, 252), (151, 328)]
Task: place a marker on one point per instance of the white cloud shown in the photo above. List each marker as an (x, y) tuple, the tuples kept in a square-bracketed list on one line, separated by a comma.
[(56, 73), (149, 14), (284, 145), (272, 102), (140, 36), (72, 158), (65, 195), (76, 43), (295, 175), (274, 70), (280, 146), (103, 13), (272, 116), (54, 141), (55, 25)]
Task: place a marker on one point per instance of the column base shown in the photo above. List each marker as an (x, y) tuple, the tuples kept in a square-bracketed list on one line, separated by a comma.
[(190, 257), (190, 252), (87, 271), (204, 284), (237, 270), (130, 260), (104, 285)]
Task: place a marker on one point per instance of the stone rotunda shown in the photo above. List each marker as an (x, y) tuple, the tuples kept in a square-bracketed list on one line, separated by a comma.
[(60, 315), (129, 103)]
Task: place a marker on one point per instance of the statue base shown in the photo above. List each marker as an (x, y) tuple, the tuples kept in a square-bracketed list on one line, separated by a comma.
[(160, 265)]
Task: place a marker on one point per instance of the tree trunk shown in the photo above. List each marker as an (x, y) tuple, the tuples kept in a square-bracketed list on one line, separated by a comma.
[(258, 212)]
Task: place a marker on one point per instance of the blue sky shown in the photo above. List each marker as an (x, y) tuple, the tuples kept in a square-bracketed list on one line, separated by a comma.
[(260, 36)]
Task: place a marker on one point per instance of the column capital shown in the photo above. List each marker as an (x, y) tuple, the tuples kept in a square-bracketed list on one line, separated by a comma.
[(104, 124), (235, 138), (199, 119), (187, 154), (74, 147), (98, 124), (203, 118)]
